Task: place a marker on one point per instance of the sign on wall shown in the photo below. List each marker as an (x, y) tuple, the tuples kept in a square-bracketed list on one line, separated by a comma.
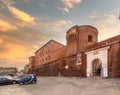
[(79, 59)]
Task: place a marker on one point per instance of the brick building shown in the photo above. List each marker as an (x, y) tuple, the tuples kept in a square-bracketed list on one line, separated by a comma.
[(82, 56), (8, 71)]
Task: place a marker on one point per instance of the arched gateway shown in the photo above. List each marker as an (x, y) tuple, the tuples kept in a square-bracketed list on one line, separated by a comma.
[(97, 62), (96, 67)]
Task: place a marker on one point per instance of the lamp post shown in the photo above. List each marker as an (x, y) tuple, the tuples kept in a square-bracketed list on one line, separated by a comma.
[(66, 67)]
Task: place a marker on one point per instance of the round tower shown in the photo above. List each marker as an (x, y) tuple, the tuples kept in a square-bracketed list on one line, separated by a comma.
[(87, 35), (79, 37), (71, 38)]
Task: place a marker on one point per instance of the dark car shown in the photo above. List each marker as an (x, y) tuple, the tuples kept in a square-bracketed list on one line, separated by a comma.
[(26, 79), (18, 77), (5, 80)]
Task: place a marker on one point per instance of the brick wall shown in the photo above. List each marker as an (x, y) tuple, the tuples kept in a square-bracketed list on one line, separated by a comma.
[(44, 54), (32, 61), (114, 60)]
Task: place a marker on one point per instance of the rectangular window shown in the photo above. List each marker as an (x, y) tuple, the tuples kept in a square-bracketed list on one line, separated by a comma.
[(90, 38)]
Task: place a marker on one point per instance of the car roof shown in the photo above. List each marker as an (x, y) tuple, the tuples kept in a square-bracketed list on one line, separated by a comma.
[(8, 77)]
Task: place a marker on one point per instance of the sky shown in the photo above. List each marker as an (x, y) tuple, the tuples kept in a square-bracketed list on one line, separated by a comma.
[(26, 25)]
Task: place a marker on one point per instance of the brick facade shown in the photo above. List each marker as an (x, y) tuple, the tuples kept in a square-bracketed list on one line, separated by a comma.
[(113, 54), (32, 62), (45, 54), (55, 59)]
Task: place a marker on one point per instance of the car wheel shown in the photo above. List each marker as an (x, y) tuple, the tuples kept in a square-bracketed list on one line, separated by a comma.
[(21, 83), (34, 81)]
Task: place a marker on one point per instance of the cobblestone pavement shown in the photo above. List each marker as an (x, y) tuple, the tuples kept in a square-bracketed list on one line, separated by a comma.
[(65, 86)]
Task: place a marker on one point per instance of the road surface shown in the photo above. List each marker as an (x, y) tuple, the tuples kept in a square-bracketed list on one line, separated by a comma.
[(65, 86)]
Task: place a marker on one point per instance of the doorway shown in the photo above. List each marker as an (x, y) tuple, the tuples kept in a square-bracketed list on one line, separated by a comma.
[(96, 68)]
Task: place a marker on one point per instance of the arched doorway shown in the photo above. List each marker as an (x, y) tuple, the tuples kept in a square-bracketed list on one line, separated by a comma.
[(97, 62), (96, 67)]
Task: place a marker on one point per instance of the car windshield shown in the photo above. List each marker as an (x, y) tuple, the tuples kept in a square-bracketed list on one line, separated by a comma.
[(29, 76)]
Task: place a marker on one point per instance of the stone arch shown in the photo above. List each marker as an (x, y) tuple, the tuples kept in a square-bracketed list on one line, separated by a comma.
[(96, 67), (93, 56)]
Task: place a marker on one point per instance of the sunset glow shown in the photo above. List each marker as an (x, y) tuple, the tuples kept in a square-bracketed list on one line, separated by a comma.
[(25, 25)]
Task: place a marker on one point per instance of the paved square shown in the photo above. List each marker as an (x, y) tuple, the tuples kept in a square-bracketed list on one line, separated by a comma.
[(65, 86)]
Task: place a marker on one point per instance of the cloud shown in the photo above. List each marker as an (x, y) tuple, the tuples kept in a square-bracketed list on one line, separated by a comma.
[(1, 41), (36, 46), (17, 46), (13, 52), (69, 4), (17, 40), (95, 15), (14, 55), (63, 9), (6, 26), (7, 2), (107, 24), (21, 15), (58, 25), (42, 5), (27, 1), (55, 26)]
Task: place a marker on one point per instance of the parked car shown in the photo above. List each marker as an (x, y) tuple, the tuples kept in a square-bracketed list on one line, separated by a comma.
[(18, 77), (5, 80), (26, 79)]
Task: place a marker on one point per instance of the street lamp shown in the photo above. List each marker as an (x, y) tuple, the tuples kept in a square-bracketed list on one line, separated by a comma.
[(66, 67)]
